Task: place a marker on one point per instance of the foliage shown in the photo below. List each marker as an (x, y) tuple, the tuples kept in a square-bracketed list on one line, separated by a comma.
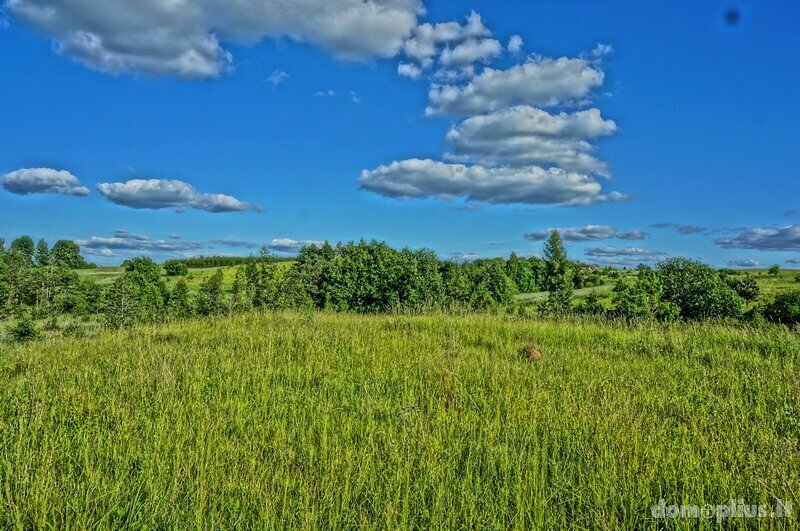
[(66, 253), (209, 298), (25, 247), (697, 290), (774, 269), (746, 286), (42, 253), (559, 275), (24, 330), (176, 268), (785, 308)]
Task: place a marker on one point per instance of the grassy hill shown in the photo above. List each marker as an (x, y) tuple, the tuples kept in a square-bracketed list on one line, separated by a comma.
[(317, 420)]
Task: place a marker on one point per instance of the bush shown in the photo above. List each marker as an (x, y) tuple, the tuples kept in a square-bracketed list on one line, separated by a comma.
[(24, 330), (697, 290), (746, 287), (784, 309), (176, 268)]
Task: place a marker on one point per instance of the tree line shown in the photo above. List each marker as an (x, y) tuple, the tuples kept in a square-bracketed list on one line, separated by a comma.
[(37, 282)]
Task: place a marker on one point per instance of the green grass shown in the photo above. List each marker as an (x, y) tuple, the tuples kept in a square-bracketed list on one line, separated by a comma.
[(337, 421)]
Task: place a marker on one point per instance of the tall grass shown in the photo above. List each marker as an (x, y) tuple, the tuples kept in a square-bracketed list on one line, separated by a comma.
[(336, 421)]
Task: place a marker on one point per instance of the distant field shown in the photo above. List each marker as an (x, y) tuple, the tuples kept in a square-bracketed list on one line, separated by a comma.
[(323, 421), (786, 280), (106, 275)]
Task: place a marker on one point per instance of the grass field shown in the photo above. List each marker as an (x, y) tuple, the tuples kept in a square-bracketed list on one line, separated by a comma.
[(337, 421)]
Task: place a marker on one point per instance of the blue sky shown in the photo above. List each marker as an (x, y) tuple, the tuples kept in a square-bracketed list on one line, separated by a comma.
[(695, 129)]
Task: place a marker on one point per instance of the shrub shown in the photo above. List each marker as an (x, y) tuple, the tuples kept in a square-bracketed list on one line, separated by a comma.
[(24, 330), (697, 290), (774, 270), (784, 309), (746, 287), (176, 268)]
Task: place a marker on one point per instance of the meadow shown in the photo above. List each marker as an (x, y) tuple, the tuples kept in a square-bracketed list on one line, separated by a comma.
[(333, 420)]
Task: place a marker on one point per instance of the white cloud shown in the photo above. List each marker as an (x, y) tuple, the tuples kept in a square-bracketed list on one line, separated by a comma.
[(515, 44), (600, 51), (182, 38), (682, 229), (427, 40), (234, 243), (126, 241), (526, 134), (325, 94), (638, 252), (418, 178), (288, 245), (748, 262), (355, 98), (175, 194), (539, 82), (470, 51), (277, 77), (43, 181), (587, 233), (409, 70), (764, 239)]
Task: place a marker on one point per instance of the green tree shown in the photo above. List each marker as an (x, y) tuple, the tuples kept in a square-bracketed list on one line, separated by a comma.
[(42, 253), (697, 290), (179, 306), (123, 301), (150, 271), (520, 271), (559, 275), (774, 269), (209, 297), (25, 247), (176, 268), (67, 253)]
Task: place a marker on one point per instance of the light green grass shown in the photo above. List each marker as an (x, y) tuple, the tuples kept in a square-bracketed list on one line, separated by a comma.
[(322, 421)]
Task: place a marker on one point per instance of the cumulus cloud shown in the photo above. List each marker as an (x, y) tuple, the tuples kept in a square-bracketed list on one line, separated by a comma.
[(515, 44), (277, 77), (175, 194), (288, 245), (428, 39), (764, 239), (540, 82), (587, 233), (682, 229), (127, 241), (183, 38), (43, 181), (610, 252), (409, 70), (421, 178), (744, 263), (525, 135), (470, 51)]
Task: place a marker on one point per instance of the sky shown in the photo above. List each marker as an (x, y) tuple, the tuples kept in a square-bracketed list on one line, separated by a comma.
[(641, 130)]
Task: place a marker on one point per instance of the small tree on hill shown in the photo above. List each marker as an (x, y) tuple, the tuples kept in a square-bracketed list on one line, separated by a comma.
[(42, 253), (774, 269), (67, 253), (209, 298), (25, 247), (559, 274)]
